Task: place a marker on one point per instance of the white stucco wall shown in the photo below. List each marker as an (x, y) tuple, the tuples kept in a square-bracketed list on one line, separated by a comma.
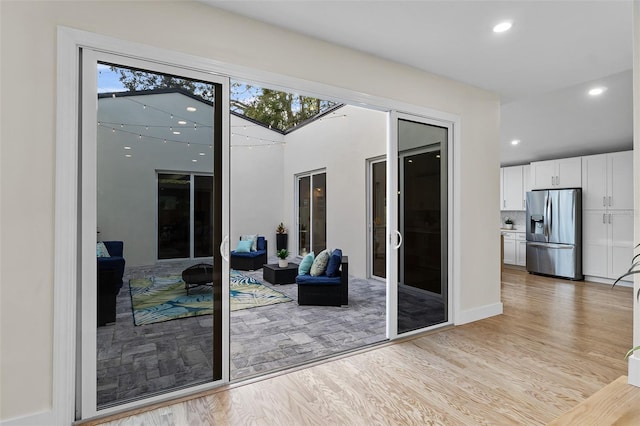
[(341, 147), (28, 116)]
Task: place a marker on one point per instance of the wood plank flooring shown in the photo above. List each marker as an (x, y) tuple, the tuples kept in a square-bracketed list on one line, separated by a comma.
[(557, 343), (616, 404)]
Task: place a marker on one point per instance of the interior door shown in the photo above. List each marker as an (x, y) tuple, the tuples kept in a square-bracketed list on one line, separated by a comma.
[(420, 246), (154, 160)]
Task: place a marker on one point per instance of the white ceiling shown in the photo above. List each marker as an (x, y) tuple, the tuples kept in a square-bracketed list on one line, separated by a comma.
[(541, 68)]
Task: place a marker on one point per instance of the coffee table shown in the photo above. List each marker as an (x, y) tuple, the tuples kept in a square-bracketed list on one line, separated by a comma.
[(276, 275), (197, 275)]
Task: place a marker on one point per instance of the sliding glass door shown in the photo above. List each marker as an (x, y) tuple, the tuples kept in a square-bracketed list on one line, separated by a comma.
[(154, 195), (421, 223)]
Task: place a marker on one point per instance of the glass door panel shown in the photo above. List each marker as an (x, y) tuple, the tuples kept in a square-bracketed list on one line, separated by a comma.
[(378, 218), (304, 215), (174, 206), (319, 212), (422, 207), (203, 216), (152, 190)]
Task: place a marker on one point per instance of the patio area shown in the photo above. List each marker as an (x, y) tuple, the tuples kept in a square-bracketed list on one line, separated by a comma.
[(135, 361)]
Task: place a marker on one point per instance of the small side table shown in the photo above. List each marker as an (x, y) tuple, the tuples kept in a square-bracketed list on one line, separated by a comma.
[(276, 275)]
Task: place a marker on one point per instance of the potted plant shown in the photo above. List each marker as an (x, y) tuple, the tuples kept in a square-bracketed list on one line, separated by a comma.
[(281, 237), (282, 258), (508, 223)]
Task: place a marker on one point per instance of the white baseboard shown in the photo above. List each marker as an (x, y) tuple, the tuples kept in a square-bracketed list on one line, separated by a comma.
[(45, 418), (477, 314), (601, 280), (634, 370)]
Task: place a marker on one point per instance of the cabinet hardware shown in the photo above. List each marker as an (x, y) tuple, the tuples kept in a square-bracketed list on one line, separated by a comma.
[(609, 219), (609, 200), (604, 218), (604, 201)]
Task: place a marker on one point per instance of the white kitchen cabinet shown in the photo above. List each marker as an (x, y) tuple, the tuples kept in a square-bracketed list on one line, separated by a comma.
[(607, 242), (512, 188), (501, 188), (607, 181), (553, 174), (514, 248), (521, 249), (509, 250)]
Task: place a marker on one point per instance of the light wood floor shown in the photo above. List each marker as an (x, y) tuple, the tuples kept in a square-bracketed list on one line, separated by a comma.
[(557, 343)]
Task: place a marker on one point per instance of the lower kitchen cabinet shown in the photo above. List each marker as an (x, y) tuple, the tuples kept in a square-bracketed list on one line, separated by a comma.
[(607, 243), (515, 248)]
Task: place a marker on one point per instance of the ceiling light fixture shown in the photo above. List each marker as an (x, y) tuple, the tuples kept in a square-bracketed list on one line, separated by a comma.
[(515, 142), (176, 132), (191, 109), (597, 91), (502, 27), (182, 122)]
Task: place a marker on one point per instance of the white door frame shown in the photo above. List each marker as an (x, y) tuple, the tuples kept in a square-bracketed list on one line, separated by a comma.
[(370, 218), (66, 266), (88, 215), (394, 216)]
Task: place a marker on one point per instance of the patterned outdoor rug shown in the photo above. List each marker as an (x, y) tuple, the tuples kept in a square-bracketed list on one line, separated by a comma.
[(161, 299)]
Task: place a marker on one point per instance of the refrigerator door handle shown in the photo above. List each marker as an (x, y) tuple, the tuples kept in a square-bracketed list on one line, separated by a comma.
[(551, 246), (549, 221)]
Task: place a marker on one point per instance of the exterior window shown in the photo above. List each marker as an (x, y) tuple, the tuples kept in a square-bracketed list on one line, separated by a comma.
[(185, 215), (312, 213)]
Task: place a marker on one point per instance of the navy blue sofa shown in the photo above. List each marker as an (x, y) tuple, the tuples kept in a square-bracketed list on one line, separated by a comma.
[(323, 290), (250, 261), (110, 272), (114, 263)]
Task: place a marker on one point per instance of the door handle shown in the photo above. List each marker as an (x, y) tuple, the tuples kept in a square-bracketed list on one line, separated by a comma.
[(397, 246), (224, 248)]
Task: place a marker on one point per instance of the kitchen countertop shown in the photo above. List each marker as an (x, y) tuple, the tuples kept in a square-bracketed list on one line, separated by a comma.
[(513, 230)]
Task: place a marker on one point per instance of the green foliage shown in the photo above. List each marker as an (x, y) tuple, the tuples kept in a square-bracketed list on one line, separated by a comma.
[(282, 254), (278, 110)]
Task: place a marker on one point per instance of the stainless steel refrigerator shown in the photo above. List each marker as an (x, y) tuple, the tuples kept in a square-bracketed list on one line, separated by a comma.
[(554, 232)]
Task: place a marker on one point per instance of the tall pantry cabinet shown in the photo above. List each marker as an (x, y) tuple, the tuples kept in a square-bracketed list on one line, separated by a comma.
[(607, 214)]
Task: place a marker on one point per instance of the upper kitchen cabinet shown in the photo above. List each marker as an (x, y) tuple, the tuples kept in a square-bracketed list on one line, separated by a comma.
[(607, 181), (554, 174), (512, 189)]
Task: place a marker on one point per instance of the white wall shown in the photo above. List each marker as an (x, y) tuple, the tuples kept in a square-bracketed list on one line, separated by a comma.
[(341, 146), (27, 105), (256, 182), (634, 361)]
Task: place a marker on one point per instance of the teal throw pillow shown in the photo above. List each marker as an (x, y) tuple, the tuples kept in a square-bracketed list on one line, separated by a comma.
[(320, 263), (244, 246), (101, 250), (253, 239), (305, 265)]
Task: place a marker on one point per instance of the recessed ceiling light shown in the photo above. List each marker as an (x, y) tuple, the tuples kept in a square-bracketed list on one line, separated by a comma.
[(202, 153), (502, 27), (191, 109), (195, 161), (182, 122), (597, 91), (175, 132), (515, 142), (128, 155), (127, 147)]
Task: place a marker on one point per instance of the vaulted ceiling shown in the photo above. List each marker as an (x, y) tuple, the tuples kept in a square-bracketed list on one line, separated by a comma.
[(542, 67)]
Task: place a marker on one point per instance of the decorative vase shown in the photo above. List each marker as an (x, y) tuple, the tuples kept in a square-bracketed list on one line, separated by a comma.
[(283, 263), (508, 226)]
